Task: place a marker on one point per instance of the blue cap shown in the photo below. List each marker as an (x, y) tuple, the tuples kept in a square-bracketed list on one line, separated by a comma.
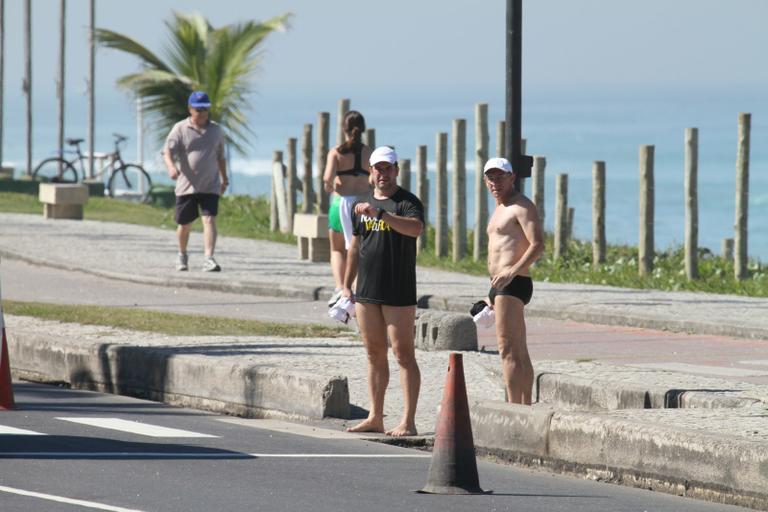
[(199, 99)]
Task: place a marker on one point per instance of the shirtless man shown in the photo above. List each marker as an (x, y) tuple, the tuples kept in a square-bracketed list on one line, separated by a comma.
[(382, 255), (515, 241)]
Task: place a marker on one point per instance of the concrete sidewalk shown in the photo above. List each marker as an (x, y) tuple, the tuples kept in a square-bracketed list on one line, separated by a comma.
[(671, 431), (147, 255)]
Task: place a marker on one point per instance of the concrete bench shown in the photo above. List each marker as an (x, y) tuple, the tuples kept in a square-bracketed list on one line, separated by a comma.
[(312, 233), (63, 200)]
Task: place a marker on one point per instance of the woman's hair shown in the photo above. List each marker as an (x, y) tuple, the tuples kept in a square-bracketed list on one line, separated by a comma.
[(354, 126)]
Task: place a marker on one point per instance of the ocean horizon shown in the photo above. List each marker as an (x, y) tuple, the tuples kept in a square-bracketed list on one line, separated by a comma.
[(571, 129)]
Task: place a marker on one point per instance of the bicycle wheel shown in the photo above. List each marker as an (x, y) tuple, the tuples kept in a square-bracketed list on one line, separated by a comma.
[(48, 171), (131, 183)]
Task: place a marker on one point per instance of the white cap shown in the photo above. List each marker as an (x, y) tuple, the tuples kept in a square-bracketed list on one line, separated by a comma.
[(498, 163), (383, 154)]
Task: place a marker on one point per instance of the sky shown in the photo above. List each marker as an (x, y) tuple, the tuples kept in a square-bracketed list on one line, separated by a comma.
[(407, 48)]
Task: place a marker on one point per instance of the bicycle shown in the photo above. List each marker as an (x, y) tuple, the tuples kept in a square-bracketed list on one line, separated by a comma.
[(126, 181)]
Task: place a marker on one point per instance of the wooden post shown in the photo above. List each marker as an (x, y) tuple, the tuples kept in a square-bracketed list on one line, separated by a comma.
[(292, 181), (742, 198), (691, 203), (727, 249), (646, 245), (598, 213), (323, 123), (307, 201), (537, 176), (422, 191), (561, 216), (481, 192), (278, 189), (501, 139), (343, 109), (441, 202), (459, 189), (369, 139), (569, 224), (404, 177), (277, 160)]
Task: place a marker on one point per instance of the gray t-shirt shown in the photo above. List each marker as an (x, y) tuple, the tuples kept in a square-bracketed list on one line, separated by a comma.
[(197, 153)]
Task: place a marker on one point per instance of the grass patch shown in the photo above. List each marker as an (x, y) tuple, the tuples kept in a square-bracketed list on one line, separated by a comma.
[(172, 324)]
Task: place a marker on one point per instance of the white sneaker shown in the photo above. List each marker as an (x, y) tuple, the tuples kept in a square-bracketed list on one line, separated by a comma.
[(210, 265), (486, 318), (182, 262), (335, 297)]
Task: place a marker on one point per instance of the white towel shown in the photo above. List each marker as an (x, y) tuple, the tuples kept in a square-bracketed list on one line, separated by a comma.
[(342, 310), (486, 318)]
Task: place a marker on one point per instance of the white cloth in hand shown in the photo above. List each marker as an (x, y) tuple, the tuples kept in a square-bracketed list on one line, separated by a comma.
[(486, 318)]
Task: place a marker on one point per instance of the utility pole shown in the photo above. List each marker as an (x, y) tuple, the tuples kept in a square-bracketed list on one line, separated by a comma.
[(60, 81), (91, 78), (2, 74), (520, 163), (27, 83)]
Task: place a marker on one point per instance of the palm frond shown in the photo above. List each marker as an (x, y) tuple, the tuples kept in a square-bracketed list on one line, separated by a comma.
[(116, 41), (219, 61)]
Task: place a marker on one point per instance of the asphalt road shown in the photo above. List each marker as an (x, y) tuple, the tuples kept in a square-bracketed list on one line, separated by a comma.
[(80, 450)]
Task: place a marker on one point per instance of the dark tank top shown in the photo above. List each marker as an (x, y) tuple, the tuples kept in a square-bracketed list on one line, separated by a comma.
[(357, 169)]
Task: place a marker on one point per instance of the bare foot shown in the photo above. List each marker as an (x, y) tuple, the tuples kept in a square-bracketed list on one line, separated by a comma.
[(369, 425), (401, 430)]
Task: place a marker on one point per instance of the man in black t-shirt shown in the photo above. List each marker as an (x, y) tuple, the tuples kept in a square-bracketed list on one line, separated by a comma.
[(382, 255)]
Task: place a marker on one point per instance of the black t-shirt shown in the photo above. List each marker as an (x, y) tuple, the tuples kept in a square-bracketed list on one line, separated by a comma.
[(386, 272)]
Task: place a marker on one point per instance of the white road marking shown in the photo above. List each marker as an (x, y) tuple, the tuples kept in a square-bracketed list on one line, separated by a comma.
[(69, 501), (709, 370), (292, 428), (209, 455), (135, 427), (18, 431)]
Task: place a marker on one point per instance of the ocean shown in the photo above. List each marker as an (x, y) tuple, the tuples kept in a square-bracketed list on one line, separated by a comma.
[(571, 129)]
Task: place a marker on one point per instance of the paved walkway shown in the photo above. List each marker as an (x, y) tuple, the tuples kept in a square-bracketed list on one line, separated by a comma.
[(570, 357), (147, 255)]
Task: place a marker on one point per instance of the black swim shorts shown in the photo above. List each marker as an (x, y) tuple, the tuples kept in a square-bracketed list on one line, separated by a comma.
[(190, 206), (520, 287)]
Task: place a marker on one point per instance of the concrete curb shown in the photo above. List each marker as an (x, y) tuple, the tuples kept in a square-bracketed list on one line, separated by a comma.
[(636, 453), (189, 380), (572, 392)]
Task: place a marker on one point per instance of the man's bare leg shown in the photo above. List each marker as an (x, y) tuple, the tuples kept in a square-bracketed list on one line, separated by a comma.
[(400, 329), (373, 330), (338, 257), (513, 349), (209, 234), (182, 234)]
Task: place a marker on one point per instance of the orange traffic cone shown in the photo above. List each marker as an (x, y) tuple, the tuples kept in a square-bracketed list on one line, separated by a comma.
[(453, 469), (6, 388)]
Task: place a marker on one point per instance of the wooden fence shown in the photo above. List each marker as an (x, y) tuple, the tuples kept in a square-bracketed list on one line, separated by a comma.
[(315, 199)]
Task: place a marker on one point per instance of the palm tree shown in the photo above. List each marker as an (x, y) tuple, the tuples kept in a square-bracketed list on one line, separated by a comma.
[(220, 61)]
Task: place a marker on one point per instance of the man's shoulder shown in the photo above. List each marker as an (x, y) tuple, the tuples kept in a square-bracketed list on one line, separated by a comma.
[(405, 195)]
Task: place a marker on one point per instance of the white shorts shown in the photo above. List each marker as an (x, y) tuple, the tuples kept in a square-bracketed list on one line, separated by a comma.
[(345, 212)]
